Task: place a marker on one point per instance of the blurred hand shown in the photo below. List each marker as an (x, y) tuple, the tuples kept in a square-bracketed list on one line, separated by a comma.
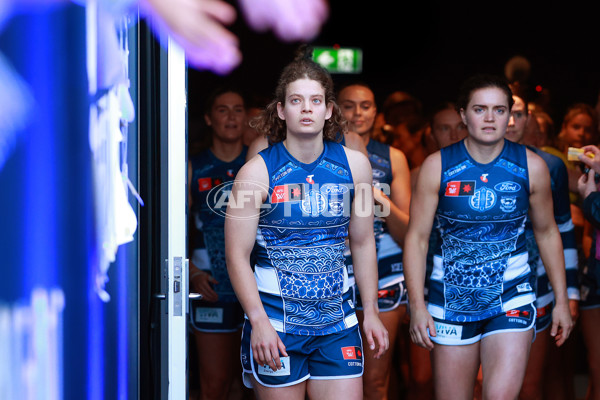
[(421, 326), (562, 324), (290, 19), (202, 282), (586, 184), (197, 26), (375, 334), (267, 346), (593, 163)]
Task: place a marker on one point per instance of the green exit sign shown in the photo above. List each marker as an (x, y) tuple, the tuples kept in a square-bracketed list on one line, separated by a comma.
[(339, 60)]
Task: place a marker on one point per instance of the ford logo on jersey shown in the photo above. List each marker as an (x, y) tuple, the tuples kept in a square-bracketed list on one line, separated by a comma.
[(508, 186), (377, 173), (334, 188)]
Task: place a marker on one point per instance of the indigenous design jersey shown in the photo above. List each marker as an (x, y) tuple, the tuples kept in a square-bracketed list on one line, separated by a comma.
[(480, 266), (300, 271), (210, 186), (562, 215), (389, 254)]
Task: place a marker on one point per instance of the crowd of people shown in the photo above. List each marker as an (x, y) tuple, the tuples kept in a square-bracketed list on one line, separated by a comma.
[(458, 241)]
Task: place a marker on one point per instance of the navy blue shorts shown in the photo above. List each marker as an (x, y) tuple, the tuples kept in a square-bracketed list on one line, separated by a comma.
[(544, 317), (590, 298), (388, 297), (216, 317), (460, 333), (334, 356)]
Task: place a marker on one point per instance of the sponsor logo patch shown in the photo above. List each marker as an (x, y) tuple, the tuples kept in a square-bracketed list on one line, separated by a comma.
[(352, 353), (518, 313), (334, 189), (285, 193), (209, 315), (284, 371), (377, 173), (447, 331), (204, 184), (508, 187), (460, 188), (543, 310), (524, 287)]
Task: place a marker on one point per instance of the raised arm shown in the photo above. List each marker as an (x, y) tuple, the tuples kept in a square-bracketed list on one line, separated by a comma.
[(248, 193), (362, 246), (549, 243), (423, 206)]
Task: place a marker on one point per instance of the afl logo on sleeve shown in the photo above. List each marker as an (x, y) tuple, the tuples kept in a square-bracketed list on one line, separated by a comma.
[(460, 188)]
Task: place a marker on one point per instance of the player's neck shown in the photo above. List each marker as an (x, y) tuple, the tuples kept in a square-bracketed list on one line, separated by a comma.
[(226, 151), (304, 149), (483, 153)]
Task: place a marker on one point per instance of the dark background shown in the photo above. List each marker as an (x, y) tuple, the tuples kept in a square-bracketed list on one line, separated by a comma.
[(427, 49)]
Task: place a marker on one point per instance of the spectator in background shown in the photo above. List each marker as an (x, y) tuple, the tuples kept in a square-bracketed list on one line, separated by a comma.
[(522, 130), (217, 340), (391, 181), (590, 279), (445, 128), (403, 126)]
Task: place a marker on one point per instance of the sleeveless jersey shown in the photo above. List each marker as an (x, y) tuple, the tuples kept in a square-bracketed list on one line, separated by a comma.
[(562, 216), (389, 253), (480, 266), (210, 183), (300, 271)]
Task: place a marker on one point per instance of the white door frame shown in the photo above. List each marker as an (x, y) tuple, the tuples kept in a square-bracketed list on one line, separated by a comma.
[(177, 222)]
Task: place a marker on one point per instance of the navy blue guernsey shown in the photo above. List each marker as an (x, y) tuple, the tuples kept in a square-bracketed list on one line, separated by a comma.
[(209, 174), (389, 253), (480, 266), (562, 216), (300, 271)]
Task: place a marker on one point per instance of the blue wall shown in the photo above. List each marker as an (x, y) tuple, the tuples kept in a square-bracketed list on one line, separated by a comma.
[(46, 218)]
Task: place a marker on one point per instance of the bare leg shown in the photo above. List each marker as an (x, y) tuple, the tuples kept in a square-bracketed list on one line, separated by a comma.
[(560, 371), (503, 363), (478, 390), (218, 362), (294, 392), (590, 324), (533, 384), (334, 389), (454, 371), (376, 377), (420, 385)]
